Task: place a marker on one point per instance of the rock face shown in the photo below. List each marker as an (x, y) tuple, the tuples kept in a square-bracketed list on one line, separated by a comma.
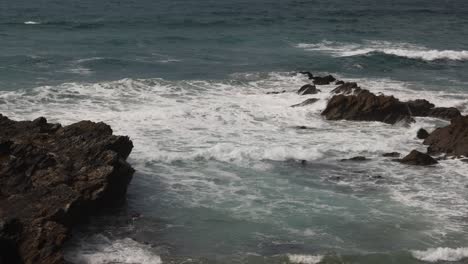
[(347, 88), (366, 106), (323, 80), (418, 158), (306, 102), (307, 89), (422, 133), (452, 139), (52, 177)]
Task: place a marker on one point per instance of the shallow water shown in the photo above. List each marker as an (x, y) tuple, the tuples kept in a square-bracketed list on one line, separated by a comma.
[(220, 177)]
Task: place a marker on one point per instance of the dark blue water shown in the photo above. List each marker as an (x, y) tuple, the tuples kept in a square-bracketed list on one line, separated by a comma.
[(217, 176)]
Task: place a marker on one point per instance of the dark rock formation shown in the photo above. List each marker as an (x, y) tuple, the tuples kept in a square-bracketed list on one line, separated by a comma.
[(422, 133), (308, 89), (366, 106), (357, 158), (52, 177), (339, 82), (276, 92), (347, 88), (323, 80), (306, 102), (452, 139), (447, 113), (391, 154), (418, 158)]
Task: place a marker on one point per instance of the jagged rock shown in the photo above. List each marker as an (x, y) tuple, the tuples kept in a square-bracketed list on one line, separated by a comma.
[(276, 92), (452, 139), (419, 107), (339, 82), (357, 158), (309, 74), (422, 133), (347, 88), (366, 106), (418, 158), (52, 177), (308, 89), (324, 80), (391, 154), (447, 113), (306, 102)]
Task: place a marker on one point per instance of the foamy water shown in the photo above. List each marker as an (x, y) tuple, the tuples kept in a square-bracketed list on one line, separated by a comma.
[(228, 147)]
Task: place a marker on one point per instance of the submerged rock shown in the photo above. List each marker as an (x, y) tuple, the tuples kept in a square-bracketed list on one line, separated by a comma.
[(422, 133), (324, 80), (308, 89), (306, 102), (391, 154), (309, 74), (418, 158), (276, 92), (357, 158), (452, 139), (52, 177)]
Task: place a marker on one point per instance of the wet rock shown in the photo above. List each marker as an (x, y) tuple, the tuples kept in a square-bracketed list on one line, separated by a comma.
[(308, 89), (339, 82), (419, 107), (447, 113), (391, 154), (309, 74), (357, 158), (301, 127), (347, 88), (422, 133), (276, 92), (464, 160), (324, 80), (367, 106), (306, 102), (52, 177), (418, 158), (452, 139)]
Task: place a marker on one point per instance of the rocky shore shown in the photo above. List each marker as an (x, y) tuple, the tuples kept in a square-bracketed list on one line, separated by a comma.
[(51, 178)]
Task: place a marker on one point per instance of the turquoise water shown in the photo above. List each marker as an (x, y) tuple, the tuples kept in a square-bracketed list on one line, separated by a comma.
[(219, 174)]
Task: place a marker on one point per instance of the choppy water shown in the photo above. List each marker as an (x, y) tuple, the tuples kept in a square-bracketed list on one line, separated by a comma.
[(219, 177)]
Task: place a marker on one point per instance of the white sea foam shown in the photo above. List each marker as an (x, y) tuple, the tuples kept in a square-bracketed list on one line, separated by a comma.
[(304, 259), (125, 251), (406, 50), (441, 254), (32, 23)]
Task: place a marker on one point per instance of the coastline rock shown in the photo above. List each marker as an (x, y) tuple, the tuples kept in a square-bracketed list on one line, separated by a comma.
[(418, 158), (357, 158), (323, 80), (306, 102), (452, 139), (347, 88), (422, 133), (447, 113), (391, 155), (309, 74), (308, 89), (366, 106), (52, 177), (339, 82), (276, 92)]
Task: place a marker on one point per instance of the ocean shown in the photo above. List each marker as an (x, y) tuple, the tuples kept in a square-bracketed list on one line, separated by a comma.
[(219, 172)]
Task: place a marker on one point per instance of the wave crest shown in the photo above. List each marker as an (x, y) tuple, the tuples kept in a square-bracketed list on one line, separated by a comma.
[(441, 254), (405, 50)]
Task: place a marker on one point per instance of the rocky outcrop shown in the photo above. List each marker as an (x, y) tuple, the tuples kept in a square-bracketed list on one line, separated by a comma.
[(339, 82), (323, 80), (366, 106), (452, 139), (52, 177), (418, 158), (308, 89), (306, 102), (422, 133), (391, 154), (275, 92), (357, 158), (347, 88)]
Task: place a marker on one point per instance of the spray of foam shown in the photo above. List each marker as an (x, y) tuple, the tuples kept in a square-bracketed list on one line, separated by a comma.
[(32, 23), (406, 50), (441, 254), (304, 259)]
